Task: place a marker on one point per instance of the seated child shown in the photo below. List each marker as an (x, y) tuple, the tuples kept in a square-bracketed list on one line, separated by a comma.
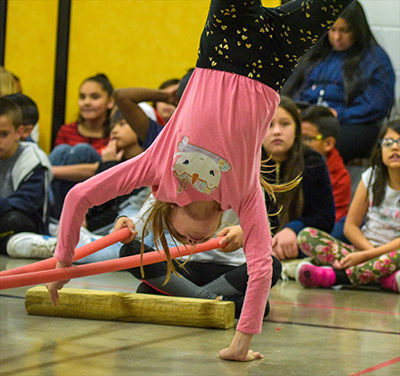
[(81, 142), (320, 128), (123, 145), (372, 227), (310, 203), (30, 114), (25, 173)]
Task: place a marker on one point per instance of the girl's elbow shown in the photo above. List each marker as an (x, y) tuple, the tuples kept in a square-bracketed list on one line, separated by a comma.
[(75, 194), (347, 229)]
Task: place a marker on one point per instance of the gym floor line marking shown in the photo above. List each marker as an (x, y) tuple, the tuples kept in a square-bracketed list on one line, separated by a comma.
[(331, 327), (378, 366), (338, 308), (12, 296)]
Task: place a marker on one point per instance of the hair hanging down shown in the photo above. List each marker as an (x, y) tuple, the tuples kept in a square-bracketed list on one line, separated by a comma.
[(380, 170), (160, 218), (289, 191)]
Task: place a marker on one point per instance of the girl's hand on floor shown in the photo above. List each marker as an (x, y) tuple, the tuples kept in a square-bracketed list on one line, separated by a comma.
[(239, 349), (53, 287)]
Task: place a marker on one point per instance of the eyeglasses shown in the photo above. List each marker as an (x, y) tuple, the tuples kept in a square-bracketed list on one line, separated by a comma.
[(388, 142), (309, 139)]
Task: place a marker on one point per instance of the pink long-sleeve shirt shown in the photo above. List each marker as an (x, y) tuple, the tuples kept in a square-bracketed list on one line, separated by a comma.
[(209, 150)]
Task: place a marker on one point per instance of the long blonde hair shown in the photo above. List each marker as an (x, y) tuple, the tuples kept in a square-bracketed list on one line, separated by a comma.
[(159, 219)]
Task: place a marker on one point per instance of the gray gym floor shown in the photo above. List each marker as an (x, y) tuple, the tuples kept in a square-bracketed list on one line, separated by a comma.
[(308, 332)]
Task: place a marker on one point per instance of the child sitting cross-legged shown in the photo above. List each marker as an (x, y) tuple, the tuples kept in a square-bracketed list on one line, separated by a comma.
[(25, 175), (372, 226)]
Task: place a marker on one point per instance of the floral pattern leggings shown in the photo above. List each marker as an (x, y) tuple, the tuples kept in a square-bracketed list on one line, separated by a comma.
[(325, 249)]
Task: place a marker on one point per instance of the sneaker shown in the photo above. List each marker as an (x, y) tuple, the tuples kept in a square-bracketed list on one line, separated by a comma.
[(391, 282), (53, 227), (289, 268), (310, 275), (30, 245)]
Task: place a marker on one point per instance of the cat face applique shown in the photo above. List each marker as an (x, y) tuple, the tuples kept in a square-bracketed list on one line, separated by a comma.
[(198, 167)]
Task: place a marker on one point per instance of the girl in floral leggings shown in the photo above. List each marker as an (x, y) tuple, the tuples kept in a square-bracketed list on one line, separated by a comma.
[(372, 226)]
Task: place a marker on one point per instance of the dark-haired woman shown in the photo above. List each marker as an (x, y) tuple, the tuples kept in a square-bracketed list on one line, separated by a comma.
[(351, 74)]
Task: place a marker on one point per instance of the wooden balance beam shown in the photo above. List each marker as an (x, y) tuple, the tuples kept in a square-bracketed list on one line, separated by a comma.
[(130, 307)]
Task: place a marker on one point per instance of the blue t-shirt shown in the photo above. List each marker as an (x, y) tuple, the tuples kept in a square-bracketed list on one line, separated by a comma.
[(152, 133)]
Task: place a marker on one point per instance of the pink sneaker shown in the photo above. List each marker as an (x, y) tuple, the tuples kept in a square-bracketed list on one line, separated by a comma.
[(391, 282), (310, 275)]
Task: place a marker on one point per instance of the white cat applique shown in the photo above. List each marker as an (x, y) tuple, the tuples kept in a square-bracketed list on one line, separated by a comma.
[(198, 167)]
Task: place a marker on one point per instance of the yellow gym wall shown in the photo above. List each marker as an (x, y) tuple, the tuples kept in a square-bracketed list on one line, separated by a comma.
[(30, 54), (134, 42)]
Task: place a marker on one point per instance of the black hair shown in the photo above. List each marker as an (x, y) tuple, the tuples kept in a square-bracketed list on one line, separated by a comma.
[(381, 174), (165, 84), (183, 82), (323, 119), (11, 109), (30, 112), (116, 117), (103, 81), (168, 83), (364, 41), (328, 127)]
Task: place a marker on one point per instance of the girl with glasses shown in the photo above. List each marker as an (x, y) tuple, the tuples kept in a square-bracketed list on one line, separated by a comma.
[(372, 226)]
